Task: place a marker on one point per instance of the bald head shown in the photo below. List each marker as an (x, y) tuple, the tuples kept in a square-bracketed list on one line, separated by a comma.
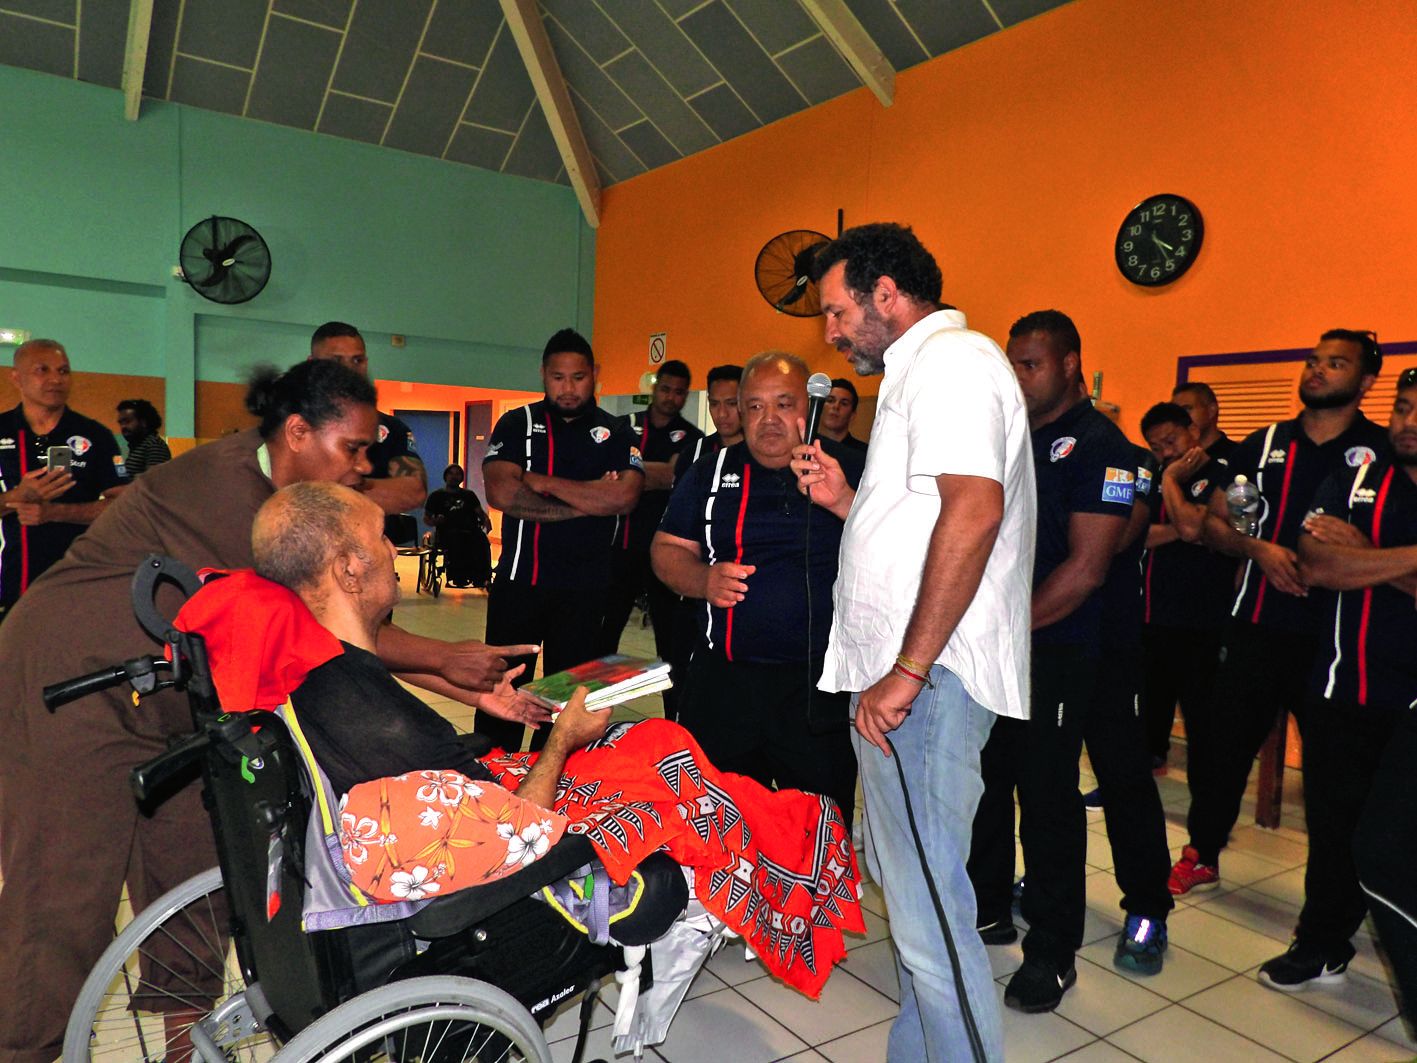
[(302, 529), (41, 375)]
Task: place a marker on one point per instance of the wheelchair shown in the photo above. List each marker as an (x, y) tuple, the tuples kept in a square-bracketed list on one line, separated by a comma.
[(232, 959)]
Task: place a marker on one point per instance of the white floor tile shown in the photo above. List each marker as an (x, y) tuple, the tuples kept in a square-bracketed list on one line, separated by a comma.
[(725, 1026), (1097, 1052), (1180, 1034), (1103, 1001), (1004, 960), (729, 967), (1370, 1049), (1182, 974), (1255, 911), (1288, 886), (567, 1019), (1269, 844), (1099, 851), (878, 928), (872, 898), (875, 965), (1220, 940), (846, 1005), (1037, 1038), (866, 1046), (1360, 1000), (1397, 1031), (1274, 1019)]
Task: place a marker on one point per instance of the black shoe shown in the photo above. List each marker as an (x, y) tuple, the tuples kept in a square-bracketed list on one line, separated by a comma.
[(1303, 966), (999, 932), (1038, 986)]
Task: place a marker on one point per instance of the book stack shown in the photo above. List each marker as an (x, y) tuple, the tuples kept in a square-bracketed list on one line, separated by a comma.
[(608, 681)]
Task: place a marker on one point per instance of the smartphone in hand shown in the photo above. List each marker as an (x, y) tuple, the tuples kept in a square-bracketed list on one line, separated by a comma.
[(60, 458)]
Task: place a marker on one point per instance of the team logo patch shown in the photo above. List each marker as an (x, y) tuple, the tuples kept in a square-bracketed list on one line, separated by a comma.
[(729, 479), (383, 432), (676, 435), (1198, 487), (410, 441), (1356, 456), (1118, 485), (600, 433), (118, 466), (494, 450), (7, 443), (1061, 448), (79, 445), (636, 462), (1276, 457), (1364, 494), (1144, 481)]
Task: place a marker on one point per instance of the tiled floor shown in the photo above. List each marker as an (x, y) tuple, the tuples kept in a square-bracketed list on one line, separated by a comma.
[(1206, 1004)]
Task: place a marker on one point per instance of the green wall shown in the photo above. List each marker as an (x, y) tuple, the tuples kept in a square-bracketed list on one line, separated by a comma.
[(475, 268)]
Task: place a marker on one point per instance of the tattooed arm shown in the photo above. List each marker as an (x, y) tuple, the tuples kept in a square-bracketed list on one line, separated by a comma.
[(507, 492), (405, 488)]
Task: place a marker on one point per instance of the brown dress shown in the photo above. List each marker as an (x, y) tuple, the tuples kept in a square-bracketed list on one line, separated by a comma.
[(70, 832)]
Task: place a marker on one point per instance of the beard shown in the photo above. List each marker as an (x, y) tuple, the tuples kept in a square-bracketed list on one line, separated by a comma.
[(570, 413), (1331, 401), (867, 353)]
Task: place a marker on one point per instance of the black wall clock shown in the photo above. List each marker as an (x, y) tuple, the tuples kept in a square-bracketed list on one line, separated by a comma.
[(1159, 240)]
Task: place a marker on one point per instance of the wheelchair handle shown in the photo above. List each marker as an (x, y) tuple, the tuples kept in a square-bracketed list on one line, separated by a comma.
[(141, 672), (147, 779)]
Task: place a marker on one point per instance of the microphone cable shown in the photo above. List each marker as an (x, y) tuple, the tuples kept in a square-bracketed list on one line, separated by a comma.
[(971, 1025)]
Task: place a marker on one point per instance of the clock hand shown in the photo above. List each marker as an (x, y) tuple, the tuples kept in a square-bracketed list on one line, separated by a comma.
[(1160, 243)]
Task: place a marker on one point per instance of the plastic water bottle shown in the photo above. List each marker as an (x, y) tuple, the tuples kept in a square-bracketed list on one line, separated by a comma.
[(1242, 499)]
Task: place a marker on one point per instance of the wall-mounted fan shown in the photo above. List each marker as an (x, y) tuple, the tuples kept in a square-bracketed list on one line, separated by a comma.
[(225, 260), (784, 272)]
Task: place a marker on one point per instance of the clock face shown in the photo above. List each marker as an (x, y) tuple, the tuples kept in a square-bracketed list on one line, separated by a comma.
[(1159, 240)]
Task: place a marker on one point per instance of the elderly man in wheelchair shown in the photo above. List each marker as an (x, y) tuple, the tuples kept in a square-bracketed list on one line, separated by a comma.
[(393, 891)]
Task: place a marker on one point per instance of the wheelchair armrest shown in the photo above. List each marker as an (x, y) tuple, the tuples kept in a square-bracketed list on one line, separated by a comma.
[(456, 912)]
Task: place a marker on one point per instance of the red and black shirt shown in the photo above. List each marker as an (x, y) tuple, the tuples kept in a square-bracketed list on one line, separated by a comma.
[(746, 513), (1287, 467), (26, 552), (668, 444), (1369, 658), (1188, 585), (568, 554)]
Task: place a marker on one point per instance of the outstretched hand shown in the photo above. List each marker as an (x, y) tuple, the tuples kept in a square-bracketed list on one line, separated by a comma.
[(477, 666), (506, 703)]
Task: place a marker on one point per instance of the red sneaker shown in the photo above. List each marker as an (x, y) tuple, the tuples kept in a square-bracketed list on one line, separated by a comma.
[(1190, 874)]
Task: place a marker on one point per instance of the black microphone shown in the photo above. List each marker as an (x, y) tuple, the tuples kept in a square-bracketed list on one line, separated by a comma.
[(819, 389)]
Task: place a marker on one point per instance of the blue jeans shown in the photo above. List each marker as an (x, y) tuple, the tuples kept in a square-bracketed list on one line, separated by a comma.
[(938, 746)]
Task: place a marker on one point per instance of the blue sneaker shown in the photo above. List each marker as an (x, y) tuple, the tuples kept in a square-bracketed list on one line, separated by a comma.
[(1141, 945)]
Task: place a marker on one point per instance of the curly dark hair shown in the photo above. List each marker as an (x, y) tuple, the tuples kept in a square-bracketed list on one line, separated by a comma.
[(1372, 354), (1052, 323), (882, 249), (1165, 413), (144, 411), (319, 390)]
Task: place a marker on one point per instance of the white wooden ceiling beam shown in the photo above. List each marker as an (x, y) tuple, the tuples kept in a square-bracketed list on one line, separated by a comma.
[(529, 32), (135, 56), (845, 31)]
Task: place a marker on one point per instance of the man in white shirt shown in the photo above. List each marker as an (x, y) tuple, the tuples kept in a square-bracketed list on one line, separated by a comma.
[(931, 626)]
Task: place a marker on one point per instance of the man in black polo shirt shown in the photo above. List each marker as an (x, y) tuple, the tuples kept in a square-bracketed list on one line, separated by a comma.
[(399, 482), (1272, 638), (1361, 529), (43, 510), (662, 434), (722, 394), (1086, 478), (1186, 587), (1200, 403), (560, 470), (837, 413), (740, 535)]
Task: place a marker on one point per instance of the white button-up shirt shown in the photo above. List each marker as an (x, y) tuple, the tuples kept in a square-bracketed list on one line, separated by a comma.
[(949, 405)]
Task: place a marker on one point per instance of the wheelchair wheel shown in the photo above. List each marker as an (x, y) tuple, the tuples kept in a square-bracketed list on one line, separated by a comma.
[(120, 1013), (437, 1019)]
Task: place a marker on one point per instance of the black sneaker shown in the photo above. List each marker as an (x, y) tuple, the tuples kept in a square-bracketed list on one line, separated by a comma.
[(1092, 801), (1303, 966), (1038, 986), (999, 932)]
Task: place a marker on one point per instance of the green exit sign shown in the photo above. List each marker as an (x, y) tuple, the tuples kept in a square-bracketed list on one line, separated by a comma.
[(640, 400)]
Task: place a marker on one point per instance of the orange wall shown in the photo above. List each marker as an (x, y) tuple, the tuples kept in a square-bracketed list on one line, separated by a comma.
[(1292, 125)]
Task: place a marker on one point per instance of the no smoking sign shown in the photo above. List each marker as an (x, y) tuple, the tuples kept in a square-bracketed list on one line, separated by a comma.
[(658, 341)]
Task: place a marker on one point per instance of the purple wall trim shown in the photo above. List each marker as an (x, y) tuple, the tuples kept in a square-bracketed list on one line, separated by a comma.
[(1187, 362)]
